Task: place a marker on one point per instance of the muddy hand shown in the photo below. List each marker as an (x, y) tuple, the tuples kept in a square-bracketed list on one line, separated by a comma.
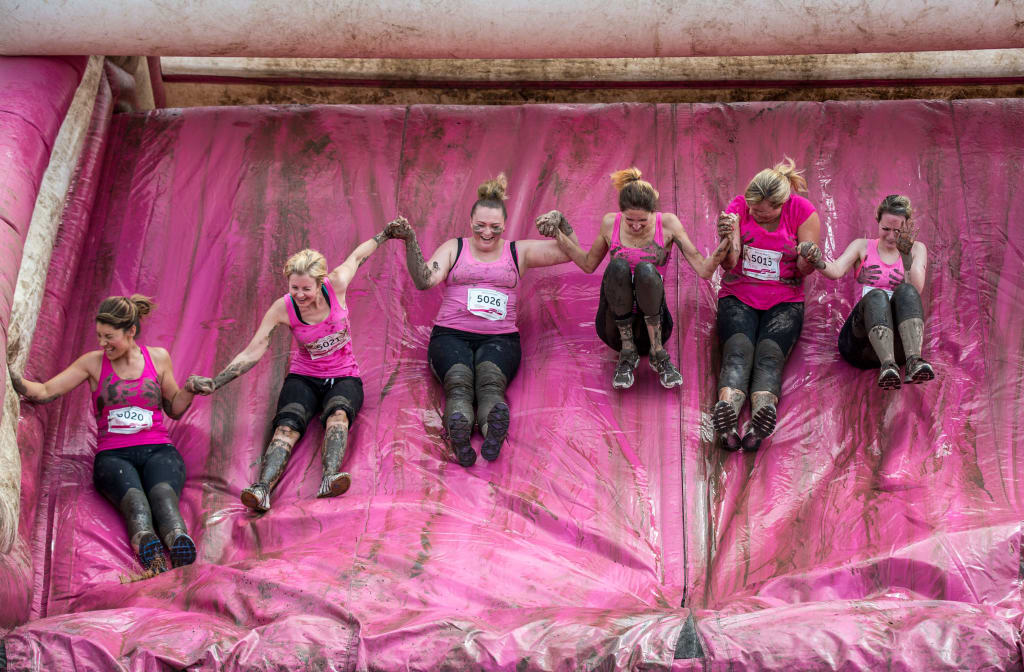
[(869, 275), (727, 222), (896, 276), (200, 385), (399, 227), (810, 251), (906, 236), (550, 223)]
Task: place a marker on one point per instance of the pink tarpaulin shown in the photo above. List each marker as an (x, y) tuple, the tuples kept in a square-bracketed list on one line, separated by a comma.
[(874, 531)]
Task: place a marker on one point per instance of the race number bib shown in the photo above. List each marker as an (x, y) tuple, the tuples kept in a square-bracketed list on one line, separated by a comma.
[(489, 304), (129, 420), (761, 264), (325, 345), (867, 288)]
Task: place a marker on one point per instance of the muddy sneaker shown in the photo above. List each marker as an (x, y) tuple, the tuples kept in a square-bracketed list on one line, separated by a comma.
[(257, 497), (334, 485), (918, 371), (726, 425), (667, 372), (623, 379), (151, 553), (762, 417), (751, 441), (889, 376), (459, 433), (497, 428), (183, 551)]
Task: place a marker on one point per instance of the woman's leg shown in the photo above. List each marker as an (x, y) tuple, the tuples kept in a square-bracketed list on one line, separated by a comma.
[(296, 404), (496, 363), (649, 288), (617, 291), (737, 331), (163, 477), (117, 478), (868, 340), (778, 333), (451, 360), (341, 404), (909, 315)]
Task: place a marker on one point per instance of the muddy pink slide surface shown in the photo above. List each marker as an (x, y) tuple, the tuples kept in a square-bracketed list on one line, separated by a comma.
[(875, 530)]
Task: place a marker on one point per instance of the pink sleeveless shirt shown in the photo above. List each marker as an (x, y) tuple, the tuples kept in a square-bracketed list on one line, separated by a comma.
[(128, 412), (480, 297), (323, 350), (766, 273), (891, 274), (634, 255)]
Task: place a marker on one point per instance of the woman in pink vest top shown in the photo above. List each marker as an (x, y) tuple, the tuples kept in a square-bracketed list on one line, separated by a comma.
[(135, 466), (323, 377), (632, 316), (474, 347), (890, 275), (761, 301)]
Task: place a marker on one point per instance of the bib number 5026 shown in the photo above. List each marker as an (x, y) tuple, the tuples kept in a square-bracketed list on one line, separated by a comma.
[(489, 304)]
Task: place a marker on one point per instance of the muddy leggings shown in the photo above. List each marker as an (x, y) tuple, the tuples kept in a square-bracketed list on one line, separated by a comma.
[(876, 309), (631, 294), (756, 343), (118, 470)]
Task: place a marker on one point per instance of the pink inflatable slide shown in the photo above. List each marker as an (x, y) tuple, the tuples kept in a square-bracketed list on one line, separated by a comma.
[(876, 530)]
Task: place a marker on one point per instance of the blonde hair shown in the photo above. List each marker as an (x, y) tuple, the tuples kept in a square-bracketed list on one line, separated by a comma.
[(492, 194), (307, 262), (776, 184), (894, 204), (124, 312), (634, 193)]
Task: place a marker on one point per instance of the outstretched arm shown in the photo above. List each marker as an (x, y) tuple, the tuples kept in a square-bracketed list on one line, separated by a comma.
[(425, 274), (62, 383), (705, 267), (246, 359), (841, 266), (538, 253), (175, 399), (809, 232), (554, 225)]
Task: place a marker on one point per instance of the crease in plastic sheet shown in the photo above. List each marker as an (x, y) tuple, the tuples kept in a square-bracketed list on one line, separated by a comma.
[(874, 530)]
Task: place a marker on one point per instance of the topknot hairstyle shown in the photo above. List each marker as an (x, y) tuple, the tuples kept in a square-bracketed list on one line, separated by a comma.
[(124, 312), (634, 193), (894, 204), (492, 194)]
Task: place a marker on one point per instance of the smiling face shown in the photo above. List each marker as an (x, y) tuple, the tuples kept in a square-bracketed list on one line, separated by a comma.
[(636, 220), (889, 228), (488, 224), (764, 212), (113, 341), (303, 289)]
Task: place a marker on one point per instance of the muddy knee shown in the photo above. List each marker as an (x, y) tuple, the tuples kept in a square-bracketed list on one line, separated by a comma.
[(876, 311), (617, 285), (737, 360), (768, 362), (292, 419), (649, 288), (906, 303)]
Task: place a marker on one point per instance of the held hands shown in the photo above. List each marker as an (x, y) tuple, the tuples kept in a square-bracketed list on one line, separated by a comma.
[(200, 385), (727, 223), (400, 228), (810, 251), (906, 236), (550, 223)]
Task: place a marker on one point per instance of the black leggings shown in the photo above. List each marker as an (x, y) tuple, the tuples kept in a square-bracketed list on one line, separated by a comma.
[(116, 471), (449, 347), (874, 310), (756, 344), (631, 294)]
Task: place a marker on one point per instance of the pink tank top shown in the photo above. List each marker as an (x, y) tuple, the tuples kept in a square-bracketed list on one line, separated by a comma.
[(129, 412), (323, 350), (766, 273), (480, 297), (890, 276), (634, 255)]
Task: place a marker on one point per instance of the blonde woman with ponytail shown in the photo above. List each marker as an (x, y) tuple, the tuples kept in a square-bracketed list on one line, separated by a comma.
[(323, 376), (135, 467), (761, 301), (632, 316), (474, 347)]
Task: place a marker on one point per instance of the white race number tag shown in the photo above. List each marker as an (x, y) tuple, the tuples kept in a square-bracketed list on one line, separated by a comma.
[(761, 264), (129, 420), (489, 304), (867, 288), (325, 345)]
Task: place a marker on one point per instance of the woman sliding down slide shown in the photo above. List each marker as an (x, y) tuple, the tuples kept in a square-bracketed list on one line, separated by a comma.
[(135, 467), (474, 346), (323, 376)]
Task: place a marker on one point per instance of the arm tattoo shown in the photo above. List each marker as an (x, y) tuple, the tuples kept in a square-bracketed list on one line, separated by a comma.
[(418, 268), (231, 372)]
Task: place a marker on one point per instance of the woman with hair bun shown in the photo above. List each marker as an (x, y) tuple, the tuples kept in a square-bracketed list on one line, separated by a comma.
[(323, 377), (136, 467), (474, 346), (632, 316), (891, 272), (761, 301)]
